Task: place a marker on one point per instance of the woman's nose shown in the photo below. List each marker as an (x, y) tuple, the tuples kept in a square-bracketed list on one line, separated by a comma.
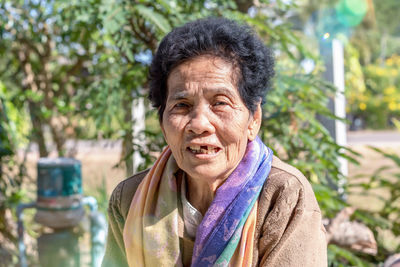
[(200, 122)]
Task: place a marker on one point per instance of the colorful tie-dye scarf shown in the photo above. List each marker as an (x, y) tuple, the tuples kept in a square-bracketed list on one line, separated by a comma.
[(226, 234)]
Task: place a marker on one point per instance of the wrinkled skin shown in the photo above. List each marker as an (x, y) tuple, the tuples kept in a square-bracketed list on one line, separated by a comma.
[(206, 124)]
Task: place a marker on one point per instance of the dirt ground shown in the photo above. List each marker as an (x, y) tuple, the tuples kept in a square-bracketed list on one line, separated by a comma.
[(370, 161)]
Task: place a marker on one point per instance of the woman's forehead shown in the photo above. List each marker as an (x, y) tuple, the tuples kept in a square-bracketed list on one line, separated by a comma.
[(205, 71), (203, 63)]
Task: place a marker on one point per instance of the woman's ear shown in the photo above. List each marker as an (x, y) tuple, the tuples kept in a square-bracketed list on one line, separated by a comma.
[(255, 123)]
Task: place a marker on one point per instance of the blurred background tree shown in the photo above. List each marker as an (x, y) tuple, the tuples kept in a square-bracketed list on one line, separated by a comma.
[(373, 98), (73, 70), (47, 49)]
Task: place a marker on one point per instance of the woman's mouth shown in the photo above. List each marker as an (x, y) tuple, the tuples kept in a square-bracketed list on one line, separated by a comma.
[(208, 150)]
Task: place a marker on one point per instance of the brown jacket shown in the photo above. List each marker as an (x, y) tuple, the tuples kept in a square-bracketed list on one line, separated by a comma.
[(289, 231)]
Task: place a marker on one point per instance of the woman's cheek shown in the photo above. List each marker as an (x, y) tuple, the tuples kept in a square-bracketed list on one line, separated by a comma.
[(174, 122)]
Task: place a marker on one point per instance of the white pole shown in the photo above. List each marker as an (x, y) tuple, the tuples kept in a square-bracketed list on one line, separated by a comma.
[(340, 103), (138, 127)]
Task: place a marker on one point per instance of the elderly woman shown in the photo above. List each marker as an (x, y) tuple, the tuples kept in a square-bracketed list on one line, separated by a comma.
[(216, 196)]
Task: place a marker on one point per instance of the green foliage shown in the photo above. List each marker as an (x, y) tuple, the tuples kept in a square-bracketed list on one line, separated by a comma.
[(290, 127), (6, 143), (373, 91), (346, 258), (48, 49), (372, 81), (12, 173), (386, 13)]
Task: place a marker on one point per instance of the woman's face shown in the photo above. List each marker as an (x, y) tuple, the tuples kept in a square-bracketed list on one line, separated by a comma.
[(205, 122)]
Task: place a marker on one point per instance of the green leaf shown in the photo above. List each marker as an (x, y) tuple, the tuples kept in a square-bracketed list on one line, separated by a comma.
[(393, 157), (352, 259), (156, 18)]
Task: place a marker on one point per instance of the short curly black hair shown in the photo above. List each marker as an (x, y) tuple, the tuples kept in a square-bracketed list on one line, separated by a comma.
[(220, 37)]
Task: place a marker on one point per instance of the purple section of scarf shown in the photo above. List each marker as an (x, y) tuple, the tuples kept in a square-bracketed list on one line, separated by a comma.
[(228, 192)]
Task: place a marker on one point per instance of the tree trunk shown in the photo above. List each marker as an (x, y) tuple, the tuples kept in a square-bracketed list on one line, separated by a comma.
[(58, 138), (127, 144), (244, 5), (37, 129)]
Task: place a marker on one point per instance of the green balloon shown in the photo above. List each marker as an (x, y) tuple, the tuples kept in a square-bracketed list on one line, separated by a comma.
[(351, 12)]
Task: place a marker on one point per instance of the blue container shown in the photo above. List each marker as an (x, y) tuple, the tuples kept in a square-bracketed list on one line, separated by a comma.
[(59, 177), (59, 192)]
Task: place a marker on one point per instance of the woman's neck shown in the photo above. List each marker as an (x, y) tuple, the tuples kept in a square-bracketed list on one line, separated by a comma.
[(200, 194)]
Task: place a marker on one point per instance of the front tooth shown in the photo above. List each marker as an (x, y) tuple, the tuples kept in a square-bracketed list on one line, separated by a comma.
[(195, 148), (203, 150)]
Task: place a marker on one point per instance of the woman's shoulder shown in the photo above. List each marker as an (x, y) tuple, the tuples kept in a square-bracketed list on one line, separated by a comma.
[(286, 180), (123, 193), (289, 230)]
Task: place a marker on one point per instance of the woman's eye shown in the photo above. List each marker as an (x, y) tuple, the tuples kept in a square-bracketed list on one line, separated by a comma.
[(220, 103), (181, 105)]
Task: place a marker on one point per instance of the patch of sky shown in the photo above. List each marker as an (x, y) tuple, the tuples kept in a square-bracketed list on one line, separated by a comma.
[(78, 48), (144, 57), (34, 13), (210, 5), (172, 4), (25, 25), (8, 8), (49, 8), (63, 49), (308, 65), (252, 12), (7, 35), (9, 24), (287, 2), (44, 38), (50, 21), (95, 59), (111, 60)]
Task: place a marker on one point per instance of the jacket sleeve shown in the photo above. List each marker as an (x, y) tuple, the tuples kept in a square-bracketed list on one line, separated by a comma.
[(292, 233), (115, 248)]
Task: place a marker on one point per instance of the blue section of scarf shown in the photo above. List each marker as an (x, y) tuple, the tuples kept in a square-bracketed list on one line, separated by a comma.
[(223, 222)]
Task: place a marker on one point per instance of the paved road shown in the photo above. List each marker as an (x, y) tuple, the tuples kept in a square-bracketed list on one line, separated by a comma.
[(374, 138)]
